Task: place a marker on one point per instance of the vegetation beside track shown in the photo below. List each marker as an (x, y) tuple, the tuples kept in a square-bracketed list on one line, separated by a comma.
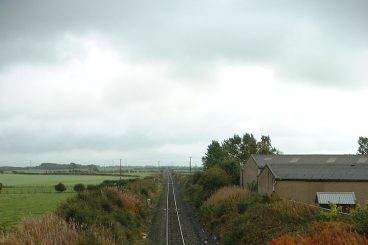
[(238, 216), (116, 212), (26, 196)]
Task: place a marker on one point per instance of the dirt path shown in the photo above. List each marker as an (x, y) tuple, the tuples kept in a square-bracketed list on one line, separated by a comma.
[(176, 225)]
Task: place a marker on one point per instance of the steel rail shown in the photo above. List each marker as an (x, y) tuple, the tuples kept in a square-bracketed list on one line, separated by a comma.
[(170, 179), (167, 210)]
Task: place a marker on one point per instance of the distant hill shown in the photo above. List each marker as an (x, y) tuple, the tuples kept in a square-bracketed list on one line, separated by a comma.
[(53, 166)]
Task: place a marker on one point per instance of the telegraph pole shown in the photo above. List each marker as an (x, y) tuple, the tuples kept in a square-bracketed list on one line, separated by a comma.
[(190, 164), (120, 168)]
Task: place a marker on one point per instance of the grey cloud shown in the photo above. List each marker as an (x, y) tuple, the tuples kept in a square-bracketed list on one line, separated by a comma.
[(197, 32)]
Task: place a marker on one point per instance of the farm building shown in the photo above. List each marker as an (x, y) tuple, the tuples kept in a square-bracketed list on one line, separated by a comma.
[(300, 177)]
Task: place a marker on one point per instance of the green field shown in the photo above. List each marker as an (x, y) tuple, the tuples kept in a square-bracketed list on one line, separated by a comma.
[(26, 196), (15, 207), (16, 180)]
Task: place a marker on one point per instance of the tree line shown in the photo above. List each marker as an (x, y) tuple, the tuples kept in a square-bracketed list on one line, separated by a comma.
[(232, 152)]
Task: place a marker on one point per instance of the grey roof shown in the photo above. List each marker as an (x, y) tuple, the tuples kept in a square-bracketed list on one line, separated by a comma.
[(336, 198), (262, 160), (331, 171)]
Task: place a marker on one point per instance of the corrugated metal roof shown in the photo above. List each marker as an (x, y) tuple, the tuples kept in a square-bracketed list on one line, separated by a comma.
[(330, 171), (336, 198), (262, 160)]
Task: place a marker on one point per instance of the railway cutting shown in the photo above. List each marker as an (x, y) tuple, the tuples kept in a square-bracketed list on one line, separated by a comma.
[(174, 222)]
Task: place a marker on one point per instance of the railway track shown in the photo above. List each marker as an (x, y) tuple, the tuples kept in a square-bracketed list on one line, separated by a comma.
[(174, 229), (174, 221)]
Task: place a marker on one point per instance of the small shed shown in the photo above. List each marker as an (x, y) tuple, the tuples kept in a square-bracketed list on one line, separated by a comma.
[(344, 199)]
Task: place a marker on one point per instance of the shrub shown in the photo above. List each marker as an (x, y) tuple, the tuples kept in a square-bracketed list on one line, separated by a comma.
[(92, 187), (79, 187), (360, 218), (60, 187), (295, 211), (214, 178), (324, 233), (257, 226), (121, 183), (117, 211), (334, 214), (227, 193), (108, 183), (144, 192)]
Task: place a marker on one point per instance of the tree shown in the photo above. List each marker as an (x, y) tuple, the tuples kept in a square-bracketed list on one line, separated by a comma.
[(363, 145), (249, 146), (79, 187), (235, 151), (1, 186), (265, 146), (214, 178), (73, 167), (214, 156), (60, 187)]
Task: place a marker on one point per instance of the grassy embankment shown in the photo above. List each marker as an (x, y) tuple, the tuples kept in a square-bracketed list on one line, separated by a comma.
[(114, 213), (237, 216), (25, 196)]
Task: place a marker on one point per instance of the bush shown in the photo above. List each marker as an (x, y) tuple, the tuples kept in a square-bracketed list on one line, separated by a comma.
[(92, 187), (79, 187), (60, 187), (257, 226), (214, 178), (119, 212), (360, 218), (324, 233), (144, 192), (334, 214), (227, 193)]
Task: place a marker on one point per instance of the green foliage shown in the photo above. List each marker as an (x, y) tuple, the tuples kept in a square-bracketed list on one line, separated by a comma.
[(79, 187), (92, 187), (214, 178), (334, 214), (265, 146), (144, 192), (60, 187), (214, 155), (234, 151), (360, 218), (116, 211), (363, 145)]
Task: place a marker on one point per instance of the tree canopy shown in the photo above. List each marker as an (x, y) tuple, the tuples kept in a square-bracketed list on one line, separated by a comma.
[(234, 151), (363, 145)]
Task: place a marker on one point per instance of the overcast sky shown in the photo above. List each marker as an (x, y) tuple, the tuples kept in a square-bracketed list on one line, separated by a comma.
[(147, 81)]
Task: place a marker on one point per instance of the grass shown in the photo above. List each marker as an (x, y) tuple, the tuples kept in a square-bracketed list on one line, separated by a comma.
[(22, 180), (15, 207), (47, 231), (33, 195), (227, 193)]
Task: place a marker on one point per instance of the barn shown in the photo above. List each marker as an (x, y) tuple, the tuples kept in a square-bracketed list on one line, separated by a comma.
[(302, 177)]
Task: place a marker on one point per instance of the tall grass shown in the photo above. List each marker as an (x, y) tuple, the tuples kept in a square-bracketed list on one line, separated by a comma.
[(323, 233), (295, 210), (48, 230), (127, 200), (226, 193)]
